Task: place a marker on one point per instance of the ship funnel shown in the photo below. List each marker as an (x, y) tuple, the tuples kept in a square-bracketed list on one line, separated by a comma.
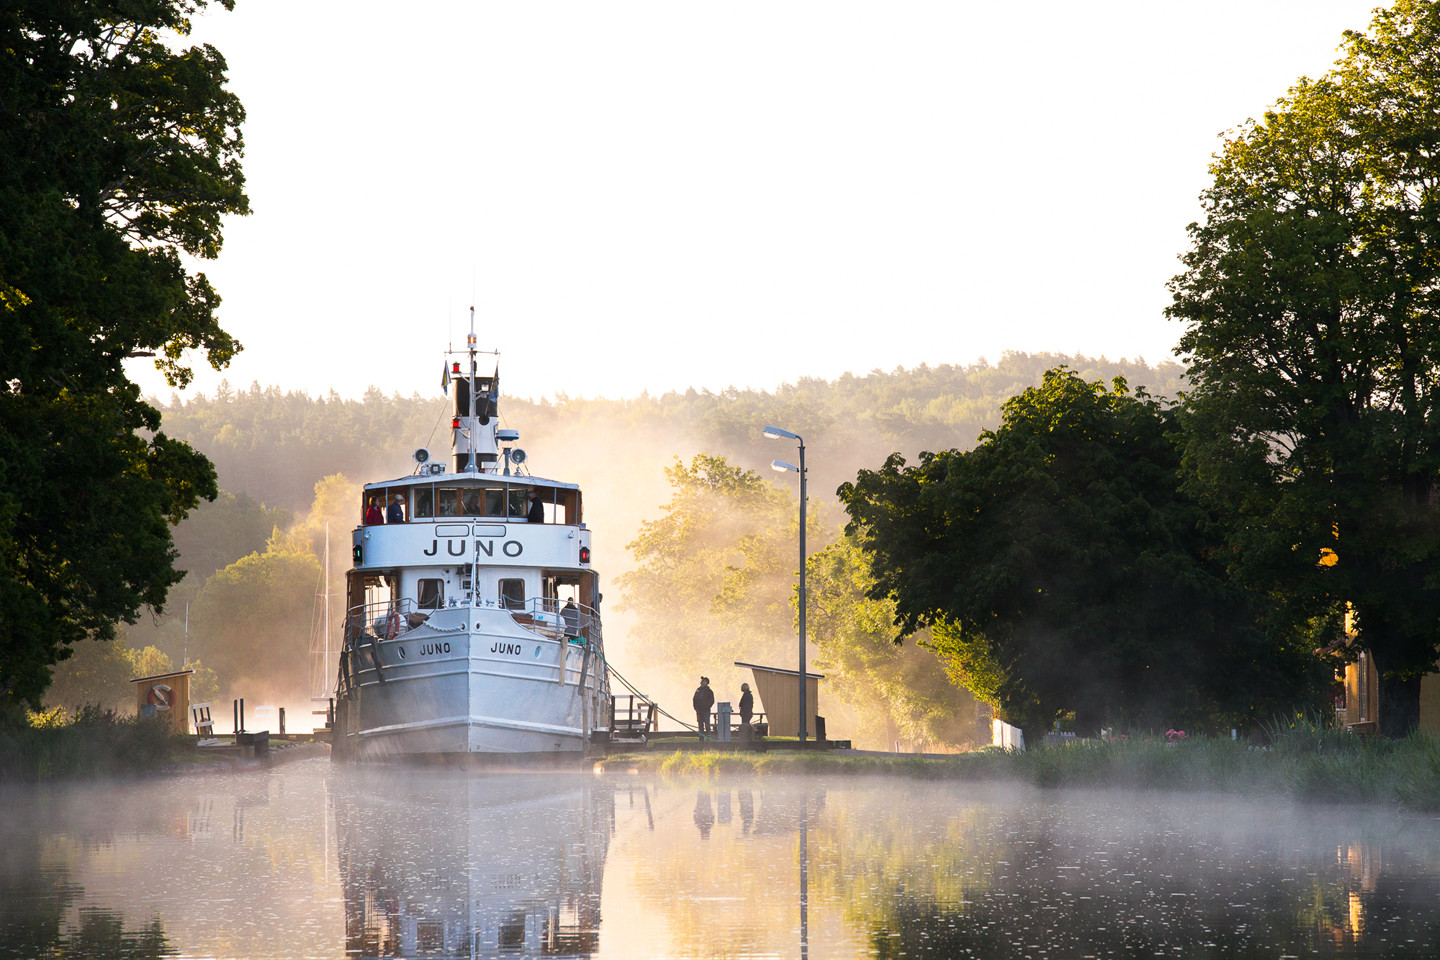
[(474, 425)]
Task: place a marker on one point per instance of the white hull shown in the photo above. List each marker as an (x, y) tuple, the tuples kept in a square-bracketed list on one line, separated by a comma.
[(470, 681)]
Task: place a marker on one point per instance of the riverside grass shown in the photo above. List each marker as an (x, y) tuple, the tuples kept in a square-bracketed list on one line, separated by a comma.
[(1305, 762), (91, 744)]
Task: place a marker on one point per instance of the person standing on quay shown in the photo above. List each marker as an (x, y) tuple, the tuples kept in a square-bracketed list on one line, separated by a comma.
[(703, 700), (747, 708)]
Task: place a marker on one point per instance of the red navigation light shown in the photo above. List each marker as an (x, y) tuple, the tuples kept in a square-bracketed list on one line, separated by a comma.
[(455, 423), (455, 368), (584, 554)]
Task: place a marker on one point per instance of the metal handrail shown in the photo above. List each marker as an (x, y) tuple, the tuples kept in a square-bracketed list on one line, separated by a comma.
[(547, 616), (381, 620)]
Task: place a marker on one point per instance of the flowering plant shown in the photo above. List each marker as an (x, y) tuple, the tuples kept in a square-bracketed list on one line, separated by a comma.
[(1175, 736)]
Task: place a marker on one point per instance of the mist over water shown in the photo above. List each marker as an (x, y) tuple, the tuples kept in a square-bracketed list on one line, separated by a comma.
[(314, 860)]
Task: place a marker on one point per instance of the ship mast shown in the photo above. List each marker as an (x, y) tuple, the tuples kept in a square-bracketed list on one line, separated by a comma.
[(470, 344)]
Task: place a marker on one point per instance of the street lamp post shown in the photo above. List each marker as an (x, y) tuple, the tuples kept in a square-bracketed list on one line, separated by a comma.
[(775, 433)]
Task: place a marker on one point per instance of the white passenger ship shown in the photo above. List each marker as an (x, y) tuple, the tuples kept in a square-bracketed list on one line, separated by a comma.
[(473, 624)]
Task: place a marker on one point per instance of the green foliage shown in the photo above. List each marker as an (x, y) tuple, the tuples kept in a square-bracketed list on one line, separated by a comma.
[(1061, 569), (715, 573), (275, 444), (1311, 298), (93, 743), (900, 689), (150, 662), (99, 672), (1306, 762), (218, 533), (251, 624), (118, 154)]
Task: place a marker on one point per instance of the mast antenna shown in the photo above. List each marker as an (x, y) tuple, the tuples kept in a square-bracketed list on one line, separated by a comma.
[(470, 342)]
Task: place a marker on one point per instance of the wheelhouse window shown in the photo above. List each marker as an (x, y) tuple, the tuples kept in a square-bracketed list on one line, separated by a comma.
[(512, 594), (424, 503), (484, 501), (447, 502), (431, 595)]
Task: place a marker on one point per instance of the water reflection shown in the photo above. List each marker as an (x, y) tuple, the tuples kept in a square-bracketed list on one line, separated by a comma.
[(43, 911), (472, 865), (315, 861)]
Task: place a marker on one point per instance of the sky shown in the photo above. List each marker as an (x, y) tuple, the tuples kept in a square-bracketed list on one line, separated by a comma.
[(650, 196)]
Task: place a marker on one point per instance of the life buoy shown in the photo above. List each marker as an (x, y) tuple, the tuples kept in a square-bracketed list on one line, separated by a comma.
[(392, 626), (160, 696)]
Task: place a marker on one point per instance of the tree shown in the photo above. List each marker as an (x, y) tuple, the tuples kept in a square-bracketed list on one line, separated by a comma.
[(1062, 568), (901, 689), (715, 575), (117, 154), (99, 673), (218, 533), (1311, 298), (252, 624)]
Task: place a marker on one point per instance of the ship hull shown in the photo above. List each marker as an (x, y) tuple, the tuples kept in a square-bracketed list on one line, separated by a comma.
[(470, 682)]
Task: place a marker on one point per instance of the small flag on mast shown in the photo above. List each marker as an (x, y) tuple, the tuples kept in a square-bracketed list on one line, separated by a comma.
[(445, 378)]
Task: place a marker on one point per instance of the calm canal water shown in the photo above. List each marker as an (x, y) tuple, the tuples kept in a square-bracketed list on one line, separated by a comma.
[(310, 860)]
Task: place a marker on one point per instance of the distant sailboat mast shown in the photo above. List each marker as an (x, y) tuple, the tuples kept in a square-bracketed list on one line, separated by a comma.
[(325, 663)]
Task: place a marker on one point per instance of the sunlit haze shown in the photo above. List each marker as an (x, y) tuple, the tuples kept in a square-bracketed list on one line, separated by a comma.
[(646, 196)]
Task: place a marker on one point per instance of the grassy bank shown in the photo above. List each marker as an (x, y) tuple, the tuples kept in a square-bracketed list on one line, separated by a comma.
[(1302, 762), (92, 743)]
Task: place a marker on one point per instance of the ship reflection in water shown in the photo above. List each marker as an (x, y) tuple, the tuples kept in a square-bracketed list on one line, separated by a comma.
[(450, 864)]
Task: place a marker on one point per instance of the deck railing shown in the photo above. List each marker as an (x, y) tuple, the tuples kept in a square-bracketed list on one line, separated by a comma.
[(382, 620), (547, 616)]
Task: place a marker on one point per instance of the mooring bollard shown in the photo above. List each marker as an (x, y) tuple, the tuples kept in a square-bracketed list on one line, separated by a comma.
[(282, 721)]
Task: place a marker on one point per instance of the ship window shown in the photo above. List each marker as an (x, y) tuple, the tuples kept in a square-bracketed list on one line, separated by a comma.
[(484, 502), (424, 503), (447, 502), (430, 936), (512, 594), (511, 937), (431, 594), (518, 503)]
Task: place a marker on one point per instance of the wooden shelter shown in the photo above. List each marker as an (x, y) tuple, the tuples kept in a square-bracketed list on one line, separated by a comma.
[(166, 695), (779, 693)]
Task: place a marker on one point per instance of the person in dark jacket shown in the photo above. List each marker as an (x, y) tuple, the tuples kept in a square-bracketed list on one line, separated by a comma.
[(747, 709), (396, 512), (536, 513), (703, 700)]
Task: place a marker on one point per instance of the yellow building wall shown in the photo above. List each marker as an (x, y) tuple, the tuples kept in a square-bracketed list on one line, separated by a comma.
[(1430, 704), (171, 698), (1361, 705), (779, 696)]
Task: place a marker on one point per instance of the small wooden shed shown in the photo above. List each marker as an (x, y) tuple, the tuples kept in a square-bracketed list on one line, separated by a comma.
[(166, 695), (779, 693)]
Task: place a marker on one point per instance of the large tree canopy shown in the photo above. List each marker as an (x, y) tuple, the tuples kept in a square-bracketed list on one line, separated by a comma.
[(899, 691), (1311, 296), (715, 574), (1062, 569), (117, 155)]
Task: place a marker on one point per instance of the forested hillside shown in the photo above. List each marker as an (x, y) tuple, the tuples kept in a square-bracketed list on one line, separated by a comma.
[(274, 446)]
